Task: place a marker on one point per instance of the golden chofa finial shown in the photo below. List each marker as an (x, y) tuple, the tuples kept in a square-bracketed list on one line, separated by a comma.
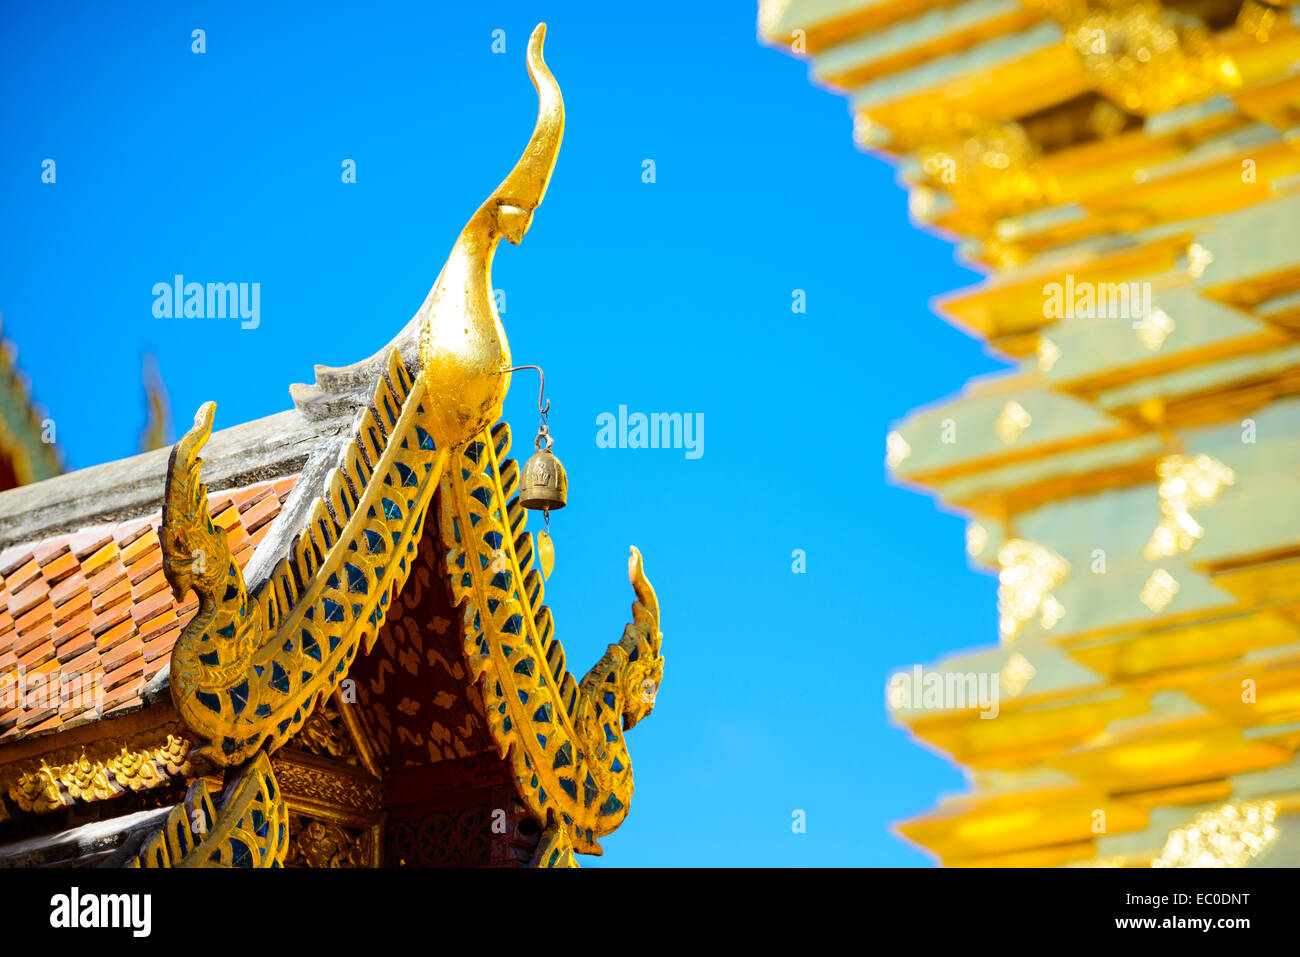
[(464, 355)]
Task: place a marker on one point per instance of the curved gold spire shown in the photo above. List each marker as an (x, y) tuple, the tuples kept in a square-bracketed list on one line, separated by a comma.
[(526, 184), (464, 354)]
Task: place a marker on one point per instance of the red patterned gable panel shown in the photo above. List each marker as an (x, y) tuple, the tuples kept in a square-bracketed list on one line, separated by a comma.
[(87, 618)]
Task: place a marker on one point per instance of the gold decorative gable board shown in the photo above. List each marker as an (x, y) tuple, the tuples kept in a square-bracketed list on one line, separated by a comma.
[(331, 810), (564, 739), (249, 669)]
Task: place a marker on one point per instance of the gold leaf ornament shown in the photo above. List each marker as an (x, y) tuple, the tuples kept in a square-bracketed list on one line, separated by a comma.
[(545, 553)]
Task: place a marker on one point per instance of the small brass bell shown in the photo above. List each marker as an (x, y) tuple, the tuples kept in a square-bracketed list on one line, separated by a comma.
[(543, 486)]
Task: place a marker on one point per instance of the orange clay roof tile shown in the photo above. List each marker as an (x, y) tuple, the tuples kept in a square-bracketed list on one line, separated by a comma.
[(112, 614), (141, 546), (39, 615), (98, 559), (145, 566), (77, 645), (23, 643), (23, 576), (72, 610), (12, 559), (255, 496), (46, 552), (68, 589), (236, 539), (125, 665), (88, 541), (79, 621), (218, 502), (256, 538), (42, 720), (161, 645), (128, 532), (35, 656), (152, 627), (261, 513), (86, 660), (107, 576), (155, 581), (60, 568), (244, 496), (27, 599), (96, 602), (124, 696), (116, 635), (150, 607)]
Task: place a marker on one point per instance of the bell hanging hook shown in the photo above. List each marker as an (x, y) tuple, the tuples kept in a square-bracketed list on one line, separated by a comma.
[(541, 392)]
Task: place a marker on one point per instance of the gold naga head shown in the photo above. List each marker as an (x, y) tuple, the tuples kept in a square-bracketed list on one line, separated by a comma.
[(464, 354), (192, 543), (642, 641)]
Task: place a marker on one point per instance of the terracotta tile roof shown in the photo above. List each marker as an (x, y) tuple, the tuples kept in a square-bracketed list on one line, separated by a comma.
[(95, 603)]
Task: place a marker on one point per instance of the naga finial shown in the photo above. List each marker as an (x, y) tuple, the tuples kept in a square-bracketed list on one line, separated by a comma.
[(464, 354), (642, 641), (189, 537)]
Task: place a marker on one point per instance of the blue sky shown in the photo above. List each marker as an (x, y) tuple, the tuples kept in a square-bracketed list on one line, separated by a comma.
[(672, 296)]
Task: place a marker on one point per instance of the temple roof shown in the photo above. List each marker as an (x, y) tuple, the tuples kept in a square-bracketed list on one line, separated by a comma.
[(24, 455), (95, 603)]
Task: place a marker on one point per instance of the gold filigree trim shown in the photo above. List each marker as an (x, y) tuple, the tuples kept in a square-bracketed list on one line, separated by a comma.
[(326, 734), (327, 787), (98, 771)]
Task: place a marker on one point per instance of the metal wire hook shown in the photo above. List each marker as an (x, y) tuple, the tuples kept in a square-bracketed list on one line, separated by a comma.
[(543, 409)]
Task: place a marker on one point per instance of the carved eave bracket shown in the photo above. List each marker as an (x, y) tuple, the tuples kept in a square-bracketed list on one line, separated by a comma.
[(564, 739)]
